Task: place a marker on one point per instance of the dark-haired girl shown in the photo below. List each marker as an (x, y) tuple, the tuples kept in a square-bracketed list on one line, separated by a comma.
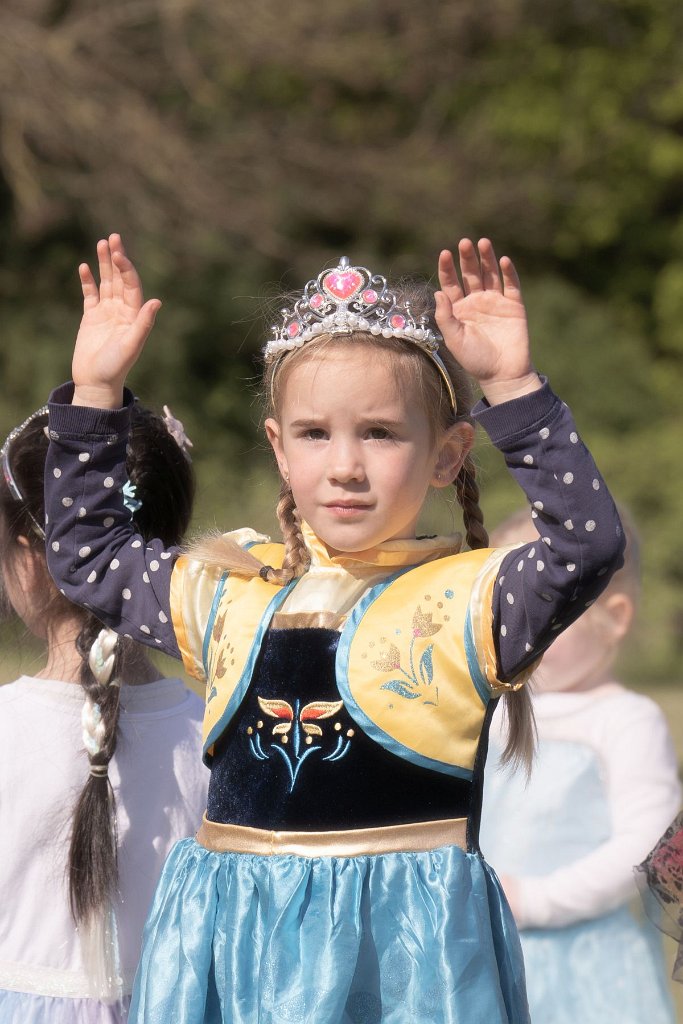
[(99, 755)]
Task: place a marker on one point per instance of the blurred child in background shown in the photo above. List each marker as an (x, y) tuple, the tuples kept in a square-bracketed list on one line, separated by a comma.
[(84, 733), (603, 786)]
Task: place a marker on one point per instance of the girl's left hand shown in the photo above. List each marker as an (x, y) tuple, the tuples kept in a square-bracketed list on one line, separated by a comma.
[(483, 321)]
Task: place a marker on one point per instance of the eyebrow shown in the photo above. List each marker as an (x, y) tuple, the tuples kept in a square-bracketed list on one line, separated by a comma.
[(366, 421)]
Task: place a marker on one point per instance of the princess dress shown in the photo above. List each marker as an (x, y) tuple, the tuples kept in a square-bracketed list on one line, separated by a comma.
[(337, 877), (352, 889)]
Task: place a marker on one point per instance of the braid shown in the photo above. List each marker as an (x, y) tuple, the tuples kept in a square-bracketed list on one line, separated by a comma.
[(467, 493), (92, 865), (296, 559)]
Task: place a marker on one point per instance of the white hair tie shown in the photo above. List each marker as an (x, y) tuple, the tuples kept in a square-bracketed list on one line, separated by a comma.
[(93, 727), (102, 656)]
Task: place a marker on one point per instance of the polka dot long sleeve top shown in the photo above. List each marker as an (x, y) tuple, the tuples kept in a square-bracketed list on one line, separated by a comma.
[(99, 561)]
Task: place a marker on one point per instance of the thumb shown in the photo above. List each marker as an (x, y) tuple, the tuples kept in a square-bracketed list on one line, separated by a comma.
[(449, 325)]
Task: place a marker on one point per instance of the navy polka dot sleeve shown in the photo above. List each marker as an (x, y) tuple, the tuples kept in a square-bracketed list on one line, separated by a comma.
[(95, 555), (99, 561), (544, 586)]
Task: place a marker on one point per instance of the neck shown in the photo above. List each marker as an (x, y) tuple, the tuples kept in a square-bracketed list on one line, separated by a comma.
[(65, 663)]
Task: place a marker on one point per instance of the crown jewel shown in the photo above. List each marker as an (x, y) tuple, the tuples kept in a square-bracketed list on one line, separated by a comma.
[(346, 299)]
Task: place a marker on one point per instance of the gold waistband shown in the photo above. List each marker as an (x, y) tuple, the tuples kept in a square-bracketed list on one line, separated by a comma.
[(356, 842)]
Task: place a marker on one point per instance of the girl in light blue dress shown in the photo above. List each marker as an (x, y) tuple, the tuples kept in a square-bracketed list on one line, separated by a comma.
[(565, 841)]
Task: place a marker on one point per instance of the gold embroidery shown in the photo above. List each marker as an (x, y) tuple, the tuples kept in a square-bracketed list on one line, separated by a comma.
[(279, 709), (410, 686), (308, 620), (217, 631)]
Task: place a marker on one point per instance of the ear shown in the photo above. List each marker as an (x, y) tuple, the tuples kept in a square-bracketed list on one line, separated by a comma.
[(23, 541), (274, 435), (619, 609), (451, 453)]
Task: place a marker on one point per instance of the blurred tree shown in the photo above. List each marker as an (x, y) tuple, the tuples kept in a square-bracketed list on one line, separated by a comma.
[(240, 144)]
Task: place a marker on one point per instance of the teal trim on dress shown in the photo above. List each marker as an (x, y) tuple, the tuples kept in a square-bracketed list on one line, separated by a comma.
[(478, 678), (363, 721), (242, 686), (212, 618)]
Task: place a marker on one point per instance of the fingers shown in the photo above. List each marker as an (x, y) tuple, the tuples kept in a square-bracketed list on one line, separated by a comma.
[(131, 286), (116, 249), (511, 285), (91, 295), (490, 275), (448, 276), (106, 269), (144, 321), (443, 315), (469, 267), (479, 269)]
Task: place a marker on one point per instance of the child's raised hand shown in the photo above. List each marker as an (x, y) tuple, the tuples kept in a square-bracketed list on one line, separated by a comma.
[(483, 321), (116, 322)]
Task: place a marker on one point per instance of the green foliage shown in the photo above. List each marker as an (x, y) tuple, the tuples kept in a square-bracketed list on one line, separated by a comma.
[(239, 147)]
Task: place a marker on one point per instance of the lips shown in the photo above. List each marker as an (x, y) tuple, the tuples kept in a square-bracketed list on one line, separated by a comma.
[(346, 507)]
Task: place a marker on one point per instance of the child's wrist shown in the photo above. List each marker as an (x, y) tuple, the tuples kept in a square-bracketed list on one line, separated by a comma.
[(98, 397), (498, 391)]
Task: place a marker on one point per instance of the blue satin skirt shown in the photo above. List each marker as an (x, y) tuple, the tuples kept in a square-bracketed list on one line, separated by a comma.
[(396, 938)]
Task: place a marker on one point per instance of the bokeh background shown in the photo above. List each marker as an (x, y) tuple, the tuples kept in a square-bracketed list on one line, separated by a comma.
[(239, 147)]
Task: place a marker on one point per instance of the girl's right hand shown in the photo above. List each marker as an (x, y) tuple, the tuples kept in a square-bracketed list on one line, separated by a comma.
[(116, 322)]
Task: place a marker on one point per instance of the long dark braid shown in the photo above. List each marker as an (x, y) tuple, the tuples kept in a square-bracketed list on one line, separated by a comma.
[(93, 859), (164, 483)]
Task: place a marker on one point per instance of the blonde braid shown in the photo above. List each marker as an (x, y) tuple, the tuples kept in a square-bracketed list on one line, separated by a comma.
[(467, 493), (296, 559)]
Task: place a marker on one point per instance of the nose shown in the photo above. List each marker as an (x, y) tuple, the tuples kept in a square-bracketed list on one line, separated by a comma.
[(345, 463)]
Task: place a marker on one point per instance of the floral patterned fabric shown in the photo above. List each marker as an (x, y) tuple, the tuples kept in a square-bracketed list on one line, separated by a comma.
[(660, 879)]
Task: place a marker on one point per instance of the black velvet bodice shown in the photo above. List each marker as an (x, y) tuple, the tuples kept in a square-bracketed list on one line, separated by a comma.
[(292, 757)]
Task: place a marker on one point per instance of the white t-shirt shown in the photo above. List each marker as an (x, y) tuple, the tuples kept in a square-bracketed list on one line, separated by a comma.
[(604, 787), (160, 785)]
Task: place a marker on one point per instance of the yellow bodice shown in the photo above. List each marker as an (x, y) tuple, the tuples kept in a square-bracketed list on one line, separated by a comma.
[(415, 663)]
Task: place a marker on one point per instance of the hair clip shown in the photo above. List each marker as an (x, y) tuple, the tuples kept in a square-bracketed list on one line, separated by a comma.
[(12, 485), (345, 299), (133, 504), (177, 432)]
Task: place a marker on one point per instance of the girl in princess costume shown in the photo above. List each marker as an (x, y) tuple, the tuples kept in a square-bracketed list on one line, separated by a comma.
[(352, 671), (97, 728), (564, 842)]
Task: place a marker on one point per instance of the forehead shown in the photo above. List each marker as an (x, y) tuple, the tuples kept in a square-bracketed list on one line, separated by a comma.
[(362, 380)]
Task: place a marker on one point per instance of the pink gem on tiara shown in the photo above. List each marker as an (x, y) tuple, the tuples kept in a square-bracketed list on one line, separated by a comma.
[(345, 299), (342, 284)]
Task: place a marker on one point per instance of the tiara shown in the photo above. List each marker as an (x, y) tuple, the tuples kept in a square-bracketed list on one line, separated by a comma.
[(345, 299), (7, 473)]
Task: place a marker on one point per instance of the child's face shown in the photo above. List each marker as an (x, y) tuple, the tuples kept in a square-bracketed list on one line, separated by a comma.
[(358, 455)]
